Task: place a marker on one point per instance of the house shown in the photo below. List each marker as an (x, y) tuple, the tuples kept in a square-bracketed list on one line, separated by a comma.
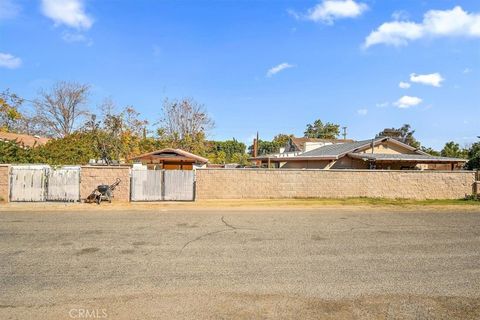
[(379, 153), (170, 159), (23, 139), (306, 144)]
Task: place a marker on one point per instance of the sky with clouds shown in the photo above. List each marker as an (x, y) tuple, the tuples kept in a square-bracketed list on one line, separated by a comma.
[(271, 66)]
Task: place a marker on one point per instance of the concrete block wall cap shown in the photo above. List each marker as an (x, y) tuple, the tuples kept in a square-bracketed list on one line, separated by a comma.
[(334, 170)]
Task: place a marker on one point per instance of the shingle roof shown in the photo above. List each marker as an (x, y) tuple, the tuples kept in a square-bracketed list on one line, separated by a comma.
[(335, 150), (300, 142), (403, 157), (172, 152)]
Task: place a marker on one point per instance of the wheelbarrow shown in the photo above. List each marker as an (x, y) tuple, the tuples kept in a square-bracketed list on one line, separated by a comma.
[(104, 192)]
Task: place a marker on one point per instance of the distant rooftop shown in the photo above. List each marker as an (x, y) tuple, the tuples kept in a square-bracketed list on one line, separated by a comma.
[(25, 139)]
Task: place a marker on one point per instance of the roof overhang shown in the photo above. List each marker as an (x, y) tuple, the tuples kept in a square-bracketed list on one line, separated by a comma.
[(405, 158), (172, 155), (292, 159)]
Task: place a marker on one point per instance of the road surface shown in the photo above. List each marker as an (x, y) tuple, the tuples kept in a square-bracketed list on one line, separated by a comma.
[(227, 264)]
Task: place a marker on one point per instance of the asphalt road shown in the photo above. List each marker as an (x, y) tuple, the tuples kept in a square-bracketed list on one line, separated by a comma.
[(240, 265)]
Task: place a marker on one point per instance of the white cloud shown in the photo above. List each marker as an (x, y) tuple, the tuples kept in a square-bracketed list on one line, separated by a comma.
[(67, 12), (330, 10), (436, 23), (467, 70), (9, 61), (8, 9), (278, 68), (433, 79), (362, 112), (404, 85), (406, 102)]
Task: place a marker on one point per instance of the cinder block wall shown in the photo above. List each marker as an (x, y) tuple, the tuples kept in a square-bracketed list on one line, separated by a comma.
[(4, 182), (271, 184), (92, 176)]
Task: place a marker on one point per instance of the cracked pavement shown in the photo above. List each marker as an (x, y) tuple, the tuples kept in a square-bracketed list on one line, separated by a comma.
[(256, 263)]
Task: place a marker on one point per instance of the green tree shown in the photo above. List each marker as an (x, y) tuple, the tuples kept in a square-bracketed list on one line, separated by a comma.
[(10, 114), (474, 157), (430, 151), (223, 151), (240, 158), (281, 139), (322, 131), (453, 150), (265, 147), (13, 152), (75, 148), (403, 134)]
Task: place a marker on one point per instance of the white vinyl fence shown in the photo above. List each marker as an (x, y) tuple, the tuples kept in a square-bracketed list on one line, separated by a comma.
[(36, 183), (161, 185)]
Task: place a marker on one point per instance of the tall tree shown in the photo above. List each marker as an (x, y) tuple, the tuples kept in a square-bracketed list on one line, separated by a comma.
[(61, 109), (184, 124), (403, 134), (323, 131), (453, 150), (10, 114), (430, 151), (474, 157), (281, 139), (118, 135), (225, 151), (265, 147)]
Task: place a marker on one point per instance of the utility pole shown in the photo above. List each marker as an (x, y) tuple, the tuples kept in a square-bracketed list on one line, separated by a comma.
[(344, 133)]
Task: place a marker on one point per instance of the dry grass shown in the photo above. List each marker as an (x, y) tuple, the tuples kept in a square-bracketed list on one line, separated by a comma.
[(255, 204), (314, 202)]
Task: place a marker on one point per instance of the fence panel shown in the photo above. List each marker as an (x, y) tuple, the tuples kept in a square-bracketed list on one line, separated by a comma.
[(179, 185), (64, 184), (28, 183), (147, 185)]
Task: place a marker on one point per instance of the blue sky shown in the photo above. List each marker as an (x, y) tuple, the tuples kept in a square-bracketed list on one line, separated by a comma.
[(271, 66)]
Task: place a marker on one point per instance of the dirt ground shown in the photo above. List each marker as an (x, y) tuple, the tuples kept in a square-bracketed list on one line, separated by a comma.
[(268, 263)]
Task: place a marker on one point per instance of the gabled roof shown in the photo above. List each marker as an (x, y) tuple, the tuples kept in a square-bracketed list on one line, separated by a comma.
[(300, 142), (172, 154), (25, 139), (336, 150), (339, 150)]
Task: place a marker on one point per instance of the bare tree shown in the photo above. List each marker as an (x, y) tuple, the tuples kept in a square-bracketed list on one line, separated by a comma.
[(59, 110), (184, 119)]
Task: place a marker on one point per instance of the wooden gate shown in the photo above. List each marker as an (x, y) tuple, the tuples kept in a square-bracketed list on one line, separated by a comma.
[(162, 185), (37, 183), (63, 184), (28, 183), (179, 185), (147, 185)]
